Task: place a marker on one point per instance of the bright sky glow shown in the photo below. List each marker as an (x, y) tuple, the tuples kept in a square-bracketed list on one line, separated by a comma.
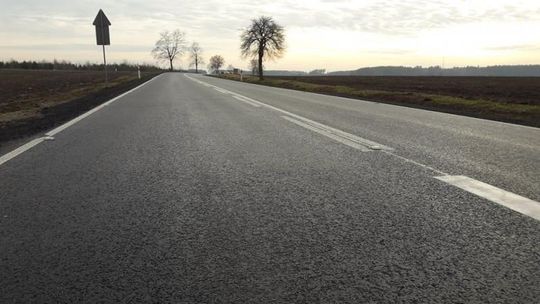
[(330, 34)]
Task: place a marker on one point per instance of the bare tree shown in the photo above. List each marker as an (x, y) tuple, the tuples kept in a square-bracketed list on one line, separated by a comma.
[(169, 46), (196, 56), (264, 38), (216, 62)]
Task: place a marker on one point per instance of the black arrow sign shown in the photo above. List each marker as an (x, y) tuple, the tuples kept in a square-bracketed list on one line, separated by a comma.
[(102, 29), (102, 36)]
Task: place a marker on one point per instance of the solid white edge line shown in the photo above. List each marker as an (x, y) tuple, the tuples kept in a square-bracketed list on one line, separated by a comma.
[(502, 197), (92, 111), (29, 145)]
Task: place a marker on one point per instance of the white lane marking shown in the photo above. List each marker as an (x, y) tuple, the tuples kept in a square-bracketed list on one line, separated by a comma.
[(328, 134), (29, 145), (49, 135), (221, 90), (74, 121), (83, 116), (502, 197), (348, 136), (407, 160), (260, 104), (335, 133), (247, 101), (513, 201)]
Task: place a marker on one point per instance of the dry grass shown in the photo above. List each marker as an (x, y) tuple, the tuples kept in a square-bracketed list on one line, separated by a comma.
[(515, 100), (25, 94), (32, 101)]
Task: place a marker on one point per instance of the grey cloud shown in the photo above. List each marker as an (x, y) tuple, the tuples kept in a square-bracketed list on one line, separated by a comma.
[(407, 17), (223, 17), (218, 21)]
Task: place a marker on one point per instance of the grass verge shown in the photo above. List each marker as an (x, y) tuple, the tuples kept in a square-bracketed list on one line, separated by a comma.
[(35, 101), (519, 113)]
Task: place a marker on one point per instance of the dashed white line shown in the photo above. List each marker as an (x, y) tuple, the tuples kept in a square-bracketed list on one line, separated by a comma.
[(502, 197), (247, 101), (513, 201), (328, 134), (221, 90), (348, 139), (344, 137), (407, 160)]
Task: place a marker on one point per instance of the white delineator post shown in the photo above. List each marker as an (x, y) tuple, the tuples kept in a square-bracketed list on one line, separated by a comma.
[(139, 71)]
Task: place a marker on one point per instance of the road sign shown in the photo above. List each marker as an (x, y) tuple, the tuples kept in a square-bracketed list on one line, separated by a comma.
[(102, 36), (102, 29)]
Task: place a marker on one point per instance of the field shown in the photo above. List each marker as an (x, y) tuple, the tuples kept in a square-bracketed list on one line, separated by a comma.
[(509, 99), (34, 100)]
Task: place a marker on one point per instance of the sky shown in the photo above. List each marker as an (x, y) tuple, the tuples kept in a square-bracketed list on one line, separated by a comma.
[(320, 34)]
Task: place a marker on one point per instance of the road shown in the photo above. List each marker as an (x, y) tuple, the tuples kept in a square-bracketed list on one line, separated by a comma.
[(192, 189)]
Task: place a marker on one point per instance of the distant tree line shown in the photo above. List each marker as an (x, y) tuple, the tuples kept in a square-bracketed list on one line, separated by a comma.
[(66, 65), (493, 71), (472, 71)]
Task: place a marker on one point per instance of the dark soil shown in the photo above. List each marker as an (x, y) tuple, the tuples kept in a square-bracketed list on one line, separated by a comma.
[(521, 90), (25, 87), (507, 99)]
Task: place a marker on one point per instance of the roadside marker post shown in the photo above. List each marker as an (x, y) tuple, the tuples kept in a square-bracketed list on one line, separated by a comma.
[(102, 37), (139, 71)]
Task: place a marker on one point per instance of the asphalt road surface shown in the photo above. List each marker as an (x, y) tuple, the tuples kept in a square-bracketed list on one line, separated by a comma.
[(192, 189)]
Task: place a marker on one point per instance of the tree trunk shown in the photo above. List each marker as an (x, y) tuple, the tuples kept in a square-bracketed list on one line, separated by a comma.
[(196, 66), (261, 76), (170, 61)]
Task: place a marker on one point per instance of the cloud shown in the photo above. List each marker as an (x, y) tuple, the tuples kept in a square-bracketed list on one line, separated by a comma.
[(520, 47), (217, 16), (217, 23)]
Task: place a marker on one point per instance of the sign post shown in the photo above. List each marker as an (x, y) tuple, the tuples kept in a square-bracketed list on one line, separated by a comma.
[(102, 36)]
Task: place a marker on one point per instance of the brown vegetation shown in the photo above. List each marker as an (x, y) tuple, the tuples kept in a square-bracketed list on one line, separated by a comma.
[(509, 99), (34, 100), (522, 90)]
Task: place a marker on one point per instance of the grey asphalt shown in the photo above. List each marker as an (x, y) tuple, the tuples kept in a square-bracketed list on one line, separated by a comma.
[(178, 193)]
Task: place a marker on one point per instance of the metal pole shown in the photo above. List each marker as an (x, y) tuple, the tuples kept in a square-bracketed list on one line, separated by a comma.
[(104, 58), (105, 65)]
